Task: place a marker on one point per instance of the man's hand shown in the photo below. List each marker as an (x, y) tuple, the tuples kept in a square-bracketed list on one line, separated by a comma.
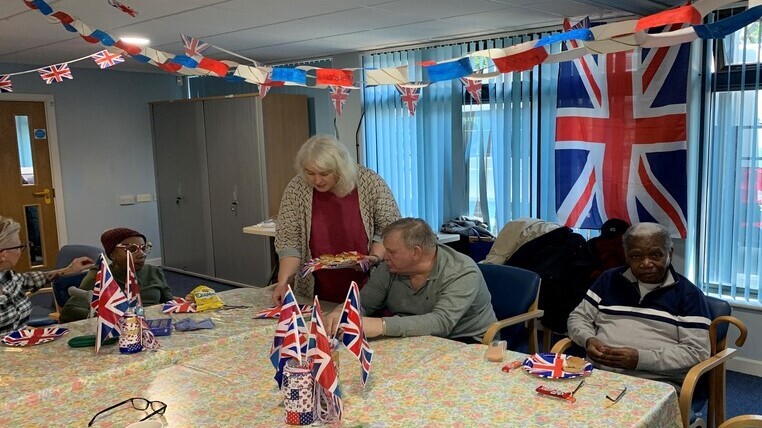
[(373, 327), (622, 358)]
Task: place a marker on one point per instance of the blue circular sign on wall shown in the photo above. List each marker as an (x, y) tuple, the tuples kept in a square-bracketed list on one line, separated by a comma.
[(40, 134)]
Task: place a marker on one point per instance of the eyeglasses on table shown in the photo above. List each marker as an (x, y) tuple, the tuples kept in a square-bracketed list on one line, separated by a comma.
[(138, 403)]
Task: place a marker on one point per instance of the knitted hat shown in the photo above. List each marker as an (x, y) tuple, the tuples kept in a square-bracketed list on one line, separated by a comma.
[(112, 237), (613, 227)]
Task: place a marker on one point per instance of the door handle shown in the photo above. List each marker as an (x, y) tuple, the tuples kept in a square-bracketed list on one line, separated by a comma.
[(44, 194)]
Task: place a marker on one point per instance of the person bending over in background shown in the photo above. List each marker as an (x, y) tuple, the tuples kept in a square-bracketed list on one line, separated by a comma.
[(331, 206), (116, 242), (644, 319), (15, 307), (428, 288)]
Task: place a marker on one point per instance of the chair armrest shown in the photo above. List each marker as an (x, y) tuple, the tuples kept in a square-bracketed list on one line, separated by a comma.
[(496, 326), (742, 332), (561, 346), (43, 290), (692, 378), (743, 421)]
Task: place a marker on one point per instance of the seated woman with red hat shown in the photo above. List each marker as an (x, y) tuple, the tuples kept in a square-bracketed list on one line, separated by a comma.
[(116, 242)]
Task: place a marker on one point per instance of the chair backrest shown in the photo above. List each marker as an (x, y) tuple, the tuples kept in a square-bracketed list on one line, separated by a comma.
[(513, 290), (66, 254), (718, 308)]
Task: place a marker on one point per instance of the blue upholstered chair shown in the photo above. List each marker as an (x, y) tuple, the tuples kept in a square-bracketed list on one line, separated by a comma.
[(60, 286), (515, 293), (704, 385)]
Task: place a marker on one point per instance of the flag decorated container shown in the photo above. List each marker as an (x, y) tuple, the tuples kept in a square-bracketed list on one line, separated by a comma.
[(131, 338), (298, 394)]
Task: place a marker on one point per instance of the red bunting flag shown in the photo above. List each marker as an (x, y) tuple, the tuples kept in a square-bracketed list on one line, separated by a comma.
[(334, 77), (339, 97), (521, 61), (218, 68)]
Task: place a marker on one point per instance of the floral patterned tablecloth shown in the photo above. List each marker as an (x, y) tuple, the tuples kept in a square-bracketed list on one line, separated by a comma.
[(224, 378)]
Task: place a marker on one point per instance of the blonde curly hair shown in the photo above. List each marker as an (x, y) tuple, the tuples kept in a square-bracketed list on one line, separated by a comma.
[(328, 154)]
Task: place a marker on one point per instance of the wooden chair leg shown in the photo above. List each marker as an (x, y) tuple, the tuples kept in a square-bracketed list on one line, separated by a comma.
[(547, 336)]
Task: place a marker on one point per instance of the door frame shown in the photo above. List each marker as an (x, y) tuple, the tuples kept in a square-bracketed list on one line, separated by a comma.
[(55, 160)]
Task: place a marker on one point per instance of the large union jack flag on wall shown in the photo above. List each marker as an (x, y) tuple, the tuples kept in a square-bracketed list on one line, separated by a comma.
[(621, 138)]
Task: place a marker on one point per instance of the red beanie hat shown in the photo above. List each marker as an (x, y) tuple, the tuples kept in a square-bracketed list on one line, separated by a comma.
[(112, 237)]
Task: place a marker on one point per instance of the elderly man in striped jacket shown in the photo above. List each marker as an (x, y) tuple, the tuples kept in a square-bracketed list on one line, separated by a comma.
[(644, 319)]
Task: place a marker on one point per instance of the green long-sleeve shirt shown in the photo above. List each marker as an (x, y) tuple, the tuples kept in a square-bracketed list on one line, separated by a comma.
[(153, 290), (454, 302)]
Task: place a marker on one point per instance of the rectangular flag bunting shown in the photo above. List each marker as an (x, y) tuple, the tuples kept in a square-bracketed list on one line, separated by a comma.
[(55, 73), (106, 59), (621, 138)]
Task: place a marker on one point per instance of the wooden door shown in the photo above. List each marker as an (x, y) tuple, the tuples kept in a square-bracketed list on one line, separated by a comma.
[(27, 182)]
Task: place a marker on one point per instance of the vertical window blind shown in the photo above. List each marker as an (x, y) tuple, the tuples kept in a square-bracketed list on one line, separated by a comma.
[(730, 262)]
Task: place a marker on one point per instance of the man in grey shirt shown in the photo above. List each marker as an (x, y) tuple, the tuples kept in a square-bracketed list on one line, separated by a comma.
[(430, 289)]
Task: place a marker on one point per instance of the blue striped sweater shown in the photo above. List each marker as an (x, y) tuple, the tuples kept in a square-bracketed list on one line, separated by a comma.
[(669, 326)]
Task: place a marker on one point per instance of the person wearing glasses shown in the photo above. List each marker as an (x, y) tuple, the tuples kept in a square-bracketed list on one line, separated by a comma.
[(116, 242), (331, 206), (15, 307), (644, 319)]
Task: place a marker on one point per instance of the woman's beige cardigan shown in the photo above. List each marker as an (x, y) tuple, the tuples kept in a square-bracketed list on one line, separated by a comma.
[(292, 228)]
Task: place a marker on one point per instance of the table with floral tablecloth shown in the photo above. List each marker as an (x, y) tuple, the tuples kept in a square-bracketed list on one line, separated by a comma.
[(422, 381)]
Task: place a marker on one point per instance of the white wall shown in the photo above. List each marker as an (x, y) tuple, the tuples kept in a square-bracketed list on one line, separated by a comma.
[(105, 147), (347, 123)]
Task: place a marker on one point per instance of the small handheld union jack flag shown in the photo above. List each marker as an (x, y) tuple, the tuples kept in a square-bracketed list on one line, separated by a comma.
[(409, 97), (353, 335), (178, 305), (339, 95), (97, 285), (274, 312), (323, 367), (289, 308), (106, 59), (5, 83), (133, 287), (34, 336), (112, 303), (55, 73)]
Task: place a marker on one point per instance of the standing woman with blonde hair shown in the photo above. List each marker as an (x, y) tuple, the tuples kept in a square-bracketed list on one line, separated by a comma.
[(15, 307), (331, 206)]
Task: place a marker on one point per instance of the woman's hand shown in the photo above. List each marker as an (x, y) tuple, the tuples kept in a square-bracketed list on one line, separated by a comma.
[(279, 292), (79, 264)]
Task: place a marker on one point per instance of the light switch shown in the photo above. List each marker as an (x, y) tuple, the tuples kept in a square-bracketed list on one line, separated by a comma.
[(144, 197), (126, 199)]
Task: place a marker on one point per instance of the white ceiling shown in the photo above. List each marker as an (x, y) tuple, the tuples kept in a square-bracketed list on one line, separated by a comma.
[(275, 31)]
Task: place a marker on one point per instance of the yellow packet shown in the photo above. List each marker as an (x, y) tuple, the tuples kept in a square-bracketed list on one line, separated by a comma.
[(205, 298)]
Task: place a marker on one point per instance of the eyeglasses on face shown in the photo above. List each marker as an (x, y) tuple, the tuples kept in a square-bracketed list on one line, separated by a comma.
[(20, 247), (133, 248), (156, 407)]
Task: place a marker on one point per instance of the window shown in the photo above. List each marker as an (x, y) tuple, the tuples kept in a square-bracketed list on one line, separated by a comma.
[(730, 261)]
